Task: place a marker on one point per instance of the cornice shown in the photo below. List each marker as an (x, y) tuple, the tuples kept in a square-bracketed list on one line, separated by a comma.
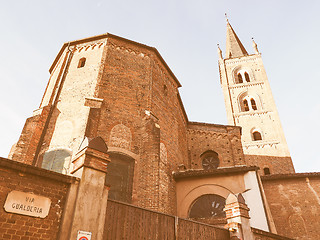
[(251, 113), (260, 144), (245, 85)]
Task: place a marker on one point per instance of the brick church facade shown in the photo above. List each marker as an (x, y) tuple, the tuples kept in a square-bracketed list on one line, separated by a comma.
[(111, 128)]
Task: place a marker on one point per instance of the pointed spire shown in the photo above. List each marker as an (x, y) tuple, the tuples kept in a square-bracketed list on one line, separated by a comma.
[(234, 47), (219, 52), (255, 46)]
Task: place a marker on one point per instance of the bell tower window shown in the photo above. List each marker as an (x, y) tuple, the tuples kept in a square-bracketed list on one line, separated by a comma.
[(240, 78), (253, 104), (256, 136), (246, 75), (246, 105)]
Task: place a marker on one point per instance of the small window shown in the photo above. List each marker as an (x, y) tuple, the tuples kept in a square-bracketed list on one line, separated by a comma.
[(210, 160), (266, 171), (246, 75), (82, 62), (256, 136), (240, 78), (246, 105), (165, 90), (253, 104)]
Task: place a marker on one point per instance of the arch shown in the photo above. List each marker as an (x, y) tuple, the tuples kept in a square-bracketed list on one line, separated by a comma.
[(120, 176), (210, 160), (57, 160), (187, 200), (208, 206), (120, 136), (249, 102), (242, 75), (82, 62)]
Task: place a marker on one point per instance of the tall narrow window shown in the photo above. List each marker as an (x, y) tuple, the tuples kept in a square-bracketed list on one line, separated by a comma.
[(246, 75), (256, 136), (246, 105), (120, 177), (240, 78), (82, 62), (253, 104), (266, 171)]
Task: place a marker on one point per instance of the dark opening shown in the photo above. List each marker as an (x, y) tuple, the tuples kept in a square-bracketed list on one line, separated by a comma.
[(256, 136), (120, 177), (253, 104), (246, 105), (82, 62), (240, 78), (246, 75), (266, 171), (208, 206)]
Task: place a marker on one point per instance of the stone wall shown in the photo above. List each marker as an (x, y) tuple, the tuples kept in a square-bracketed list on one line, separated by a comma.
[(294, 203)]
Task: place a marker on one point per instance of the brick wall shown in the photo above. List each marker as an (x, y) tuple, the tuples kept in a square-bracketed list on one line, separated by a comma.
[(277, 165), (25, 178), (225, 140), (294, 203)]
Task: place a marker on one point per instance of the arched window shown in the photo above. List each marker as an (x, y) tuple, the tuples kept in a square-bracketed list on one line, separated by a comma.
[(266, 171), (57, 160), (82, 62), (208, 206), (246, 75), (256, 136), (246, 105), (240, 78), (253, 104), (210, 160), (120, 177)]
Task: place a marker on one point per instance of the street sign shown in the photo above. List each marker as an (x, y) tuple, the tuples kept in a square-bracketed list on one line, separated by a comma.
[(82, 235)]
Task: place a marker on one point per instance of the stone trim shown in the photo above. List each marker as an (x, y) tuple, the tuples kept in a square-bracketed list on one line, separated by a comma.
[(25, 168), (211, 173), (290, 176)]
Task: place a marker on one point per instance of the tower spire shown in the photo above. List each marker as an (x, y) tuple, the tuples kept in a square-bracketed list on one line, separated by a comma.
[(234, 47)]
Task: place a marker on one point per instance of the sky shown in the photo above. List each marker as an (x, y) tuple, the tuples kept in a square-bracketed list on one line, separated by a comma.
[(186, 34)]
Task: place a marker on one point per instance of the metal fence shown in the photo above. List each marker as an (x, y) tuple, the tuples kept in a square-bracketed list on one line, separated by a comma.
[(125, 221)]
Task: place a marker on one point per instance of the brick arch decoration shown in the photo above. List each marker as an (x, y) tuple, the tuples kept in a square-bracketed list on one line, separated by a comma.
[(120, 136)]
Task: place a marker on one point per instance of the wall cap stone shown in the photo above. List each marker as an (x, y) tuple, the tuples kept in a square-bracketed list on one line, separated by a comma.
[(25, 168), (290, 176)]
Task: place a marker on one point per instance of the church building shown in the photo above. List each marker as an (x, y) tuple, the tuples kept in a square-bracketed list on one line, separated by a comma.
[(111, 154)]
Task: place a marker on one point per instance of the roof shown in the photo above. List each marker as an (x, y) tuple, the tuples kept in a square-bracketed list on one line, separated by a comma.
[(234, 47), (109, 35)]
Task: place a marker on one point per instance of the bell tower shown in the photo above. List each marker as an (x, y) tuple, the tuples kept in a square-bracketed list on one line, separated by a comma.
[(250, 104)]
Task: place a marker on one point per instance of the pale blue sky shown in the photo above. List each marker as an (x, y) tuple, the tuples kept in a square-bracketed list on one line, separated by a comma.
[(186, 34)]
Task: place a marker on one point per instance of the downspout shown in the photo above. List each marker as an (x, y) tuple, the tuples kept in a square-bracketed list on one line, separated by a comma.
[(54, 104)]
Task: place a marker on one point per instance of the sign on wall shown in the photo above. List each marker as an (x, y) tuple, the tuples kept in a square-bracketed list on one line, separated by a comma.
[(82, 235), (27, 204)]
